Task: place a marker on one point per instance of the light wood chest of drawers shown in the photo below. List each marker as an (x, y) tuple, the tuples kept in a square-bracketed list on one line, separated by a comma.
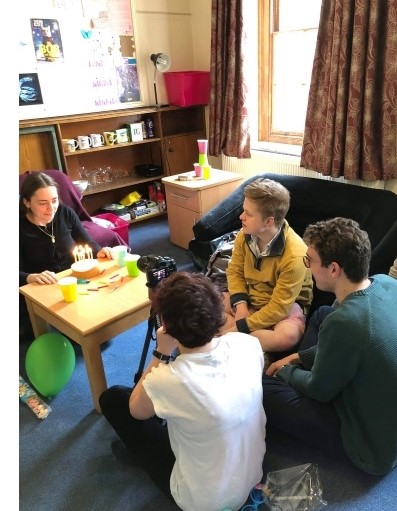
[(187, 201)]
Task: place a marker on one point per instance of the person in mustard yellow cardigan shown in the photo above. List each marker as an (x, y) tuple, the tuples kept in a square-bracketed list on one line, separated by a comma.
[(269, 287)]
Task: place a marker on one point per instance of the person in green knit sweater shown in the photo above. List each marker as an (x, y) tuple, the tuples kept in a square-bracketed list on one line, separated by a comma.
[(341, 393)]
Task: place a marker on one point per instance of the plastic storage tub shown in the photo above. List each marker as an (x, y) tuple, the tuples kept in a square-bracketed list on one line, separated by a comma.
[(186, 88), (120, 225)]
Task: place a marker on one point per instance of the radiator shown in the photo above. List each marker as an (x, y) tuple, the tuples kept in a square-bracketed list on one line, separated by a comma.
[(263, 161)]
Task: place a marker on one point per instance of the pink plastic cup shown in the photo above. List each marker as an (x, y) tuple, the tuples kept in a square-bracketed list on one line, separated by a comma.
[(198, 169), (202, 146)]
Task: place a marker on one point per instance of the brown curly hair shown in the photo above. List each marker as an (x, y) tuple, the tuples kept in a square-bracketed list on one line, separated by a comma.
[(342, 241), (190, 307)]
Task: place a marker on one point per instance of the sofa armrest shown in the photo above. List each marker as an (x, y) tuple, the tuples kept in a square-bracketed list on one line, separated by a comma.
[(224, 217)]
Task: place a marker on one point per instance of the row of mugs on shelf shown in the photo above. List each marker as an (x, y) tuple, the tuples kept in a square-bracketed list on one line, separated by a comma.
[(101, 175), (119, 136)]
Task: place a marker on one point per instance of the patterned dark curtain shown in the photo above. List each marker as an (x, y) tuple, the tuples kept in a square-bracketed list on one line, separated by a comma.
[(228, 114), (350, 126)]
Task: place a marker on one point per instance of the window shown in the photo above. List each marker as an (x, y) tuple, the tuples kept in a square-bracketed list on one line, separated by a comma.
[(287, 40)]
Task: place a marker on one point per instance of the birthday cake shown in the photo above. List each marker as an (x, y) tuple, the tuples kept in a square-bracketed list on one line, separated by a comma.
[(85, 269)]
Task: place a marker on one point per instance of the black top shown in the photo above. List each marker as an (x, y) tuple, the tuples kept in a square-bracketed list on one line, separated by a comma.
[(36, 250)]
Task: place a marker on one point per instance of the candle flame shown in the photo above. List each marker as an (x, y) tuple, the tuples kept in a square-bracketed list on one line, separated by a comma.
[(81, 253)]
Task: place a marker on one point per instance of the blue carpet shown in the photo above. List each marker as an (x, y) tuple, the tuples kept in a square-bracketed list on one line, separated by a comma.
[(71, 461), (66, 460)]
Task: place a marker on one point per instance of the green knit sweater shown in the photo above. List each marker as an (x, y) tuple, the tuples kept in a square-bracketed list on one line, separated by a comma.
[(354, 365)]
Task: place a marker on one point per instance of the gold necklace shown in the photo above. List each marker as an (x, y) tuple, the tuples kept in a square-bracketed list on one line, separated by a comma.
[(47, 233)]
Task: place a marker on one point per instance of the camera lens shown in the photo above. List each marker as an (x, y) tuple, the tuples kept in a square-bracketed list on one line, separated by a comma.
[(145, 262)]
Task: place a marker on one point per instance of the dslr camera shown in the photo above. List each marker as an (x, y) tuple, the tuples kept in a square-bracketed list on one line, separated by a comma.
[(156, 268)]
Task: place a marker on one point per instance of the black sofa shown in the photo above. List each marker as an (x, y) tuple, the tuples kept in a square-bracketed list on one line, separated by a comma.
[(311, 200)]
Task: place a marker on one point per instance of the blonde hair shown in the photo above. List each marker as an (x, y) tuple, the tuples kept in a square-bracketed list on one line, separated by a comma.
[(271, 197)]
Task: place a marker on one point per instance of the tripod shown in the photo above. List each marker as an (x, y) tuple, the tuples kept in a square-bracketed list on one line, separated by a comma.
[(153, 324)]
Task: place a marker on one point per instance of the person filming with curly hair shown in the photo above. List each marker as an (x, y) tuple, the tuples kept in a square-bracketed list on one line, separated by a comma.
[(209, 453)]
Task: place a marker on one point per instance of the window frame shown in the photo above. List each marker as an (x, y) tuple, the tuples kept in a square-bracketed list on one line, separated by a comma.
[(265, 74)]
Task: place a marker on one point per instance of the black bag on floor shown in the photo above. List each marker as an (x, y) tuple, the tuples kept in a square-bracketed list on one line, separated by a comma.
[(219, 260)]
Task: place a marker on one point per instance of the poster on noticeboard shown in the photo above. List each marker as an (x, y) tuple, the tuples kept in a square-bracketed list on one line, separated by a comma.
[(29, 89), (47, 40)]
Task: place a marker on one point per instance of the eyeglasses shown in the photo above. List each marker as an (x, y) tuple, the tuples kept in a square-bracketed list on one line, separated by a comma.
[(306, 261)]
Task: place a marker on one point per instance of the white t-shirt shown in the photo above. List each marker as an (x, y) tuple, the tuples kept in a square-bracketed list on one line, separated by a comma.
[(216, 422)]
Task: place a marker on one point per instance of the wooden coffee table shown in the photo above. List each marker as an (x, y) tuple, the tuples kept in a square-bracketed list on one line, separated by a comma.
[(94, 318)]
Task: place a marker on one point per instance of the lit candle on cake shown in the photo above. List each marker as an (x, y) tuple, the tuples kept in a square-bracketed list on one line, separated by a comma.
[(85, 266)]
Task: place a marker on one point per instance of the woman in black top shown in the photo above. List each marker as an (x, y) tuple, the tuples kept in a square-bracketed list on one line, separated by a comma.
[(48, 233)]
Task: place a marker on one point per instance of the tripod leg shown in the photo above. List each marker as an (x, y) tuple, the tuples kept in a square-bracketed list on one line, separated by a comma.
[(145, 349)]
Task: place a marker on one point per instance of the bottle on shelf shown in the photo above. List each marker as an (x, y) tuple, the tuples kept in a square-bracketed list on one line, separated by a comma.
[(144, 132), (149, 127), (160, 198), (152, 192)]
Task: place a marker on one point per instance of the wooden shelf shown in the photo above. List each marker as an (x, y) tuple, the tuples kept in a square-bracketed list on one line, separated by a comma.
[(119, 183), (111, 147), (146, 217), (173, 148)]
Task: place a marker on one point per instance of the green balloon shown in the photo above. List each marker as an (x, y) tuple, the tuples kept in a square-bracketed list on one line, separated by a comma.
[(49, 363)]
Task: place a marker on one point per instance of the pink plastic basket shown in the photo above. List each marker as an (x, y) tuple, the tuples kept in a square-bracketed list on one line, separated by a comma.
[(186, 88), (120, 225)]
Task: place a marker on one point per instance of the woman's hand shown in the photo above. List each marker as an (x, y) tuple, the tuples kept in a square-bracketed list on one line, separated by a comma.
[(105, 253), (45, 277)]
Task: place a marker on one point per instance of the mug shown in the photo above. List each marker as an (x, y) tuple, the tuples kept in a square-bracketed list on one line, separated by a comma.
[(122, 135), (110, 137), (97, 139), (69, 145), (84, 141)]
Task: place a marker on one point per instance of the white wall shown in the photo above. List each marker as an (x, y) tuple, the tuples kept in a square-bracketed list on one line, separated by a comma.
[(180, 28), (163, 26)]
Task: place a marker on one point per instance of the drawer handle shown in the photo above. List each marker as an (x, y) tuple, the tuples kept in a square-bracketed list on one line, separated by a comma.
[(179, 196)]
